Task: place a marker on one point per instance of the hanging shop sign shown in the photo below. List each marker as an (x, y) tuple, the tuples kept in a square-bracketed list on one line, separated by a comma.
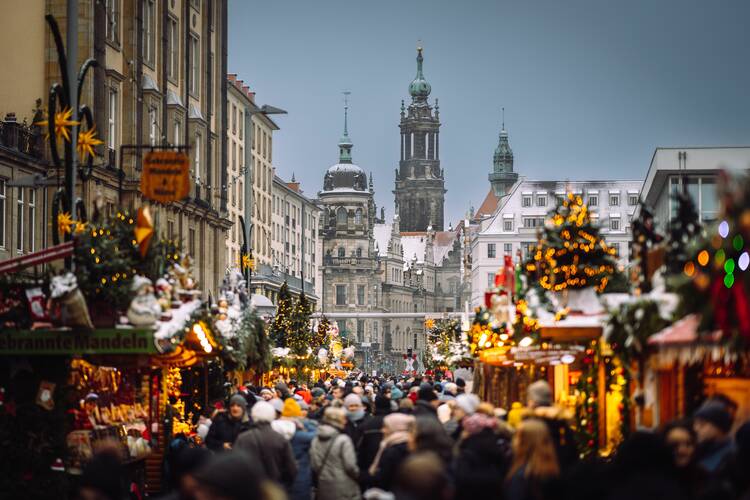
[(165, 176), (62, 342), (552, 354)]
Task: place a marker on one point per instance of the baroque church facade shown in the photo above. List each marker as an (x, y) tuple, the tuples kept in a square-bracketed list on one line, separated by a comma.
[(406, 265)]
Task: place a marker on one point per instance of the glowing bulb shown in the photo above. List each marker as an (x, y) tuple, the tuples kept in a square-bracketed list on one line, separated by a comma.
[(525, 342), (567, 358), (743, 261), (724, 229), (703, 258)]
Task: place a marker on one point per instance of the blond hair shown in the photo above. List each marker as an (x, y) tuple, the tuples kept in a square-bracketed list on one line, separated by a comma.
[(533, 449)]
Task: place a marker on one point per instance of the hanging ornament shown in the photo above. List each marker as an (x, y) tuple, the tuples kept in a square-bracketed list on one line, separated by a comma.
[(45, 395), (144, 230)]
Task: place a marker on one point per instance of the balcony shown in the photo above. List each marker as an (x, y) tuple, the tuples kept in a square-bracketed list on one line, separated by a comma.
[(25, 139), (347, 261)]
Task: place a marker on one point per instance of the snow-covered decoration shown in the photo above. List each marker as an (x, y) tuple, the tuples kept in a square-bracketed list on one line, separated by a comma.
[(347, 353), (583, 300), (144, 309), (280, 352), (323, 356), (178, 321)]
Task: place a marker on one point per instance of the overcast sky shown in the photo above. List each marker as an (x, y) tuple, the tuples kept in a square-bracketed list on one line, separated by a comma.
[(590, 87)]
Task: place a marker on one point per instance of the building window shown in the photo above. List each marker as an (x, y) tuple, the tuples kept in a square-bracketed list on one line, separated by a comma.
[(528, 248), (341, 217), (491, 251), (195, 63), (3, 198), (508, 248), (559, 199), (112, 123), (174, 49), (632, 199), (526, 201), (360, 295), (32, 219), (176, 138), (170, 229), (19, 220), (340, 295), (614, 224), (240, 192), (242, 124), (149, 33), (490, 280), (360, 330), (191, 242), (152, 126), (508, 225), (113, 21), (342, 252), (593, 200), (533, 222), (541, 201), (358, 216), (614, 200), (359, 252), (616, 247)]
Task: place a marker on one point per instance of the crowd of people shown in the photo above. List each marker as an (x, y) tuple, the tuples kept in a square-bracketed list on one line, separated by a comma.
[(407, 439)]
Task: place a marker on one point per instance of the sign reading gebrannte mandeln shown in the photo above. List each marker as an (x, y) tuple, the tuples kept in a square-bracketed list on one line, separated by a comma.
[(62, 342), (165, 177)]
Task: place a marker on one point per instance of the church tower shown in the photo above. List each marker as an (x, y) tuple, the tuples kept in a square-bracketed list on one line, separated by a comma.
[(502, 176), (420, 184)]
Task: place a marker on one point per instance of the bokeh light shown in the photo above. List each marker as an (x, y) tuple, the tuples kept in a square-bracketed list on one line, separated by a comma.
[(738, 242), (743, 261), (689, 269), (729, 280), (724, 229), (729, 266), (703, 258)]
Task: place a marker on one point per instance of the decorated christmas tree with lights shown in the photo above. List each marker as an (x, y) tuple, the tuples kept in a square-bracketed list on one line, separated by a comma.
[(281, 325), (570, 253), (684, 228), (300, 336)]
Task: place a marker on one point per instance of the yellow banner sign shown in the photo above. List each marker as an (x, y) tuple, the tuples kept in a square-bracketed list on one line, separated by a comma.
[(165, 177)]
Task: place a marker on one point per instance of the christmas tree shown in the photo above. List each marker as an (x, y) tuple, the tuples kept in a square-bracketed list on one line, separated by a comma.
[(570, 254), (282, 322), (322, 333), (300, 336), (684, 228)]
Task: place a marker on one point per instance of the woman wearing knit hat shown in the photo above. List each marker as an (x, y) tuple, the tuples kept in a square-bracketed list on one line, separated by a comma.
[(228, 424), (299, 432)]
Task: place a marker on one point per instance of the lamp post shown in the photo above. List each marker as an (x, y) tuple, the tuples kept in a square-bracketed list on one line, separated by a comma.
[(248, 173)]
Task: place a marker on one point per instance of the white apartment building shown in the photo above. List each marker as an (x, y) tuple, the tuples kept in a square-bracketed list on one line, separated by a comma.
[(521, 213), (693, 168), (238, 99)]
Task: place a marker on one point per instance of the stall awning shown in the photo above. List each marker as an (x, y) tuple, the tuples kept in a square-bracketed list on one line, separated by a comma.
[(684, 331)]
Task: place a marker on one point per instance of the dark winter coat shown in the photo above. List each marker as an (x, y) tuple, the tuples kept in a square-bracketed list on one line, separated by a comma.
[(388, 466), (371, 432), (424, 408), (271, 450), (481, 465), (225, 429)]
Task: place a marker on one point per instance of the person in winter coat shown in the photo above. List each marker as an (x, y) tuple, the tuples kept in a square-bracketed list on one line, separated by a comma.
[(482, 459), (268, 446), (427, 402), (394, 448), (712, 423), (299, 432), (355, 414), (680, 439), (333, 459), (534, 462), (372, 432), (541, 405), (226, 426)]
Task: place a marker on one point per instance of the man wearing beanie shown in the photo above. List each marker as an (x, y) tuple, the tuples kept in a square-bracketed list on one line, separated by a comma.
[(427, 401), (228, 425), (355, 416), (268, 446), (712, 423)]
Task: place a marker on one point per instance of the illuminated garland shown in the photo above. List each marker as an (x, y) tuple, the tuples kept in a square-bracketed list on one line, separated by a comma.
[(570, 253), (587, 407)]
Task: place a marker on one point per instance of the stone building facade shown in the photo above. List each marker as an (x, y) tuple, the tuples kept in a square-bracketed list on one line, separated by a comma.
[(160, 81)]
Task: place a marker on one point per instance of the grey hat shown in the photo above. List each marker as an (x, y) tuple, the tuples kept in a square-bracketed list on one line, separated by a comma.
[(540, 393), (278, 404), (239, 400), (715, 413)]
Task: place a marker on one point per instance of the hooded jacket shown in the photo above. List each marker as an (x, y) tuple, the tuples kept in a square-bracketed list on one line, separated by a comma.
[(271, 450), (338, 471), (300, 434)]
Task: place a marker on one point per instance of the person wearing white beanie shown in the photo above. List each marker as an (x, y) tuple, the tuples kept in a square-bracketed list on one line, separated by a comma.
[(268, 447)]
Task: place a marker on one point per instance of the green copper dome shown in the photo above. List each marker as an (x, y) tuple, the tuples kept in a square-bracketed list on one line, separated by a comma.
[(419, 88)]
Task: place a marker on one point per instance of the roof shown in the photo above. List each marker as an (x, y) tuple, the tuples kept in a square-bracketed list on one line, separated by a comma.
[(684, 331), (488, 206)]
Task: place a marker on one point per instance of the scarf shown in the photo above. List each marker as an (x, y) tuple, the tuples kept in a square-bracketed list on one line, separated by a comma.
[(392, 440)]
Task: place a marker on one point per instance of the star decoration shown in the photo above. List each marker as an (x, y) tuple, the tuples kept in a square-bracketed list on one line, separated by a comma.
[(144, 230), (62, 124), (87, 141), (65, 223), (247, 262)]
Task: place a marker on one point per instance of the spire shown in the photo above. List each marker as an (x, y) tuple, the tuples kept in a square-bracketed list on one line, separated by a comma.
[(293, 180), (371, 188), (419, 88), (502, 176), (345, 144)]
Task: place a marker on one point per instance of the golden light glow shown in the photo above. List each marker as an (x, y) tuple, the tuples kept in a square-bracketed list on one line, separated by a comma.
[(65, 223), (63, 123), (246, 262), (87, 141), (703, 258)]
